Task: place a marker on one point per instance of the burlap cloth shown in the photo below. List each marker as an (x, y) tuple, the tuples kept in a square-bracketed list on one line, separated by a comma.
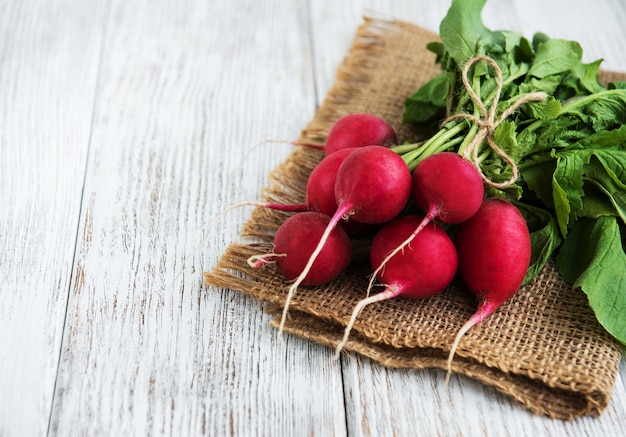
[(543, 348)]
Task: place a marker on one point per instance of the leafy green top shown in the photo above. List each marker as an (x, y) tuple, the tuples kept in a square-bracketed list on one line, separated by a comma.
[(569, 147)]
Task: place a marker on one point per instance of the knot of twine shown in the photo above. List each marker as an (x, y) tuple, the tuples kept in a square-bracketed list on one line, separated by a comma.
[(488, 123)]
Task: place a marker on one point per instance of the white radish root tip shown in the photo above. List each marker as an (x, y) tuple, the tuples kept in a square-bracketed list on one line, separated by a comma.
[(347, 215), (485, 309), (389, 293), (256, 261), (466, 327)]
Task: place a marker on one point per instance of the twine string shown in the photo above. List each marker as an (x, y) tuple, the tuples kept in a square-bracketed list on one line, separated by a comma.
[(487, 122)]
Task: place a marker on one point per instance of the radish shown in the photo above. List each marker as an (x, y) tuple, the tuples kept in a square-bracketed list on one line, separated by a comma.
[(320, 188), (494, 254), (448, 188), (291, 253), (424, 269), (320, 193), (373, 185), (356, 130)]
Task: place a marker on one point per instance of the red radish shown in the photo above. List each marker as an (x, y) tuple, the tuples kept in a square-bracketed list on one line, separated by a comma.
[(494, 255), (291, 252), (320, 187), (320, 193), (422, 270), (357, 130), (448, 188), (373, 185)]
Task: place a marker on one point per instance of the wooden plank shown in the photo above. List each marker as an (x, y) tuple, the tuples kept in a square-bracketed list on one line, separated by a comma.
[(404, 402), (177, 136), (381, 401), (187, 90), (48, 65)]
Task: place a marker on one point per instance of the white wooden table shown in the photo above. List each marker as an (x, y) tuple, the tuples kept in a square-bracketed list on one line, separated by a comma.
[(125, 127)]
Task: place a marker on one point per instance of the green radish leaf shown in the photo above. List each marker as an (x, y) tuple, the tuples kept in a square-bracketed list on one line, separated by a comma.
[(537, 174), (517, 70), (547, 84), (544, 237), (462, 29), (538, 39), (567, 184), (597, 201), (587, 76), (560, 133), (550, 134), (605, 139), (505, 137), (617, 85), (602, 110), (441, 57), (555, 56), (429, 101), (607, 169), (511, 40), (543, 110), (592, 258), (524, 51)]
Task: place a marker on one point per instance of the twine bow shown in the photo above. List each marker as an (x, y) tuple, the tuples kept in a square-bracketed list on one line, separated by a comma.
[(488, 123)]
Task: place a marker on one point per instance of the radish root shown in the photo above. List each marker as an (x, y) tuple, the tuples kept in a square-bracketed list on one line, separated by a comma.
[(389, 293), (256, 261), (485, 309), (466, 327)]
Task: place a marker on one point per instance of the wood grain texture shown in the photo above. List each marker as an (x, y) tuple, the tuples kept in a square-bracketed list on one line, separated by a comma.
[(48, 66), (126, 129), (180, 103)]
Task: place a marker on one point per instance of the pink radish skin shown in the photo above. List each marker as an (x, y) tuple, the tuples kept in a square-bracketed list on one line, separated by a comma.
[(291, 251), (321, 190), (373, 185), (448, 188), (422, 270), (494, 255), (425, 268), (320, 193), (320, 187), (357, 130)]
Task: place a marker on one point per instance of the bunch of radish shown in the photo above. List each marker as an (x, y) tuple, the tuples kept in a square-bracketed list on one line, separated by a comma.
[(361, 184)]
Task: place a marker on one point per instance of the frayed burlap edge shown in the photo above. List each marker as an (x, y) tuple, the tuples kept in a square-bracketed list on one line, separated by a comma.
[(543, 348)]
